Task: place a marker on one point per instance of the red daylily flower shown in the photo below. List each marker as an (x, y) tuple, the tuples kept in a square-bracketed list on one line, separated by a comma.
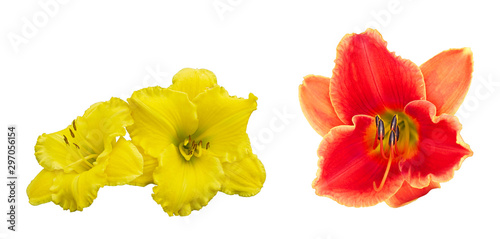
[(388, 128)]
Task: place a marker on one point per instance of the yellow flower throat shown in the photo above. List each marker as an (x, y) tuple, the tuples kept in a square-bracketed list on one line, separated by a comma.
[(402, 139), (189, 148), (85, 156)]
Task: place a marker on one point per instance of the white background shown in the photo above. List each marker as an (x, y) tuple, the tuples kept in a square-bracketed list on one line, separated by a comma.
[(88, 51)]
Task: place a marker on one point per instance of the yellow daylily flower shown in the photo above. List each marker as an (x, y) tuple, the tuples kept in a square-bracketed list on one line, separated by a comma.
[(197, 133), (85, 156)]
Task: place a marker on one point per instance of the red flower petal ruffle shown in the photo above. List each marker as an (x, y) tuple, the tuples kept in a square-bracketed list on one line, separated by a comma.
[(367, 78), (348, 166), (441, 150), (407, 194)]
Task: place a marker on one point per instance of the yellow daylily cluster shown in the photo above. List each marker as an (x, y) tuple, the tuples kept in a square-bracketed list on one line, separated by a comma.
[(188, 139)]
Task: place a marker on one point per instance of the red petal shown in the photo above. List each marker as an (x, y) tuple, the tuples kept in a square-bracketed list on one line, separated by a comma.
[(316, 105), (441, 150), (407, 194), (348, 166), (447, 79), (367, 78)]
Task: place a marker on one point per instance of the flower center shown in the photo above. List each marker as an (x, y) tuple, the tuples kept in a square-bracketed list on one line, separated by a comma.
[(399, 141), (189, 148), (86, 156)]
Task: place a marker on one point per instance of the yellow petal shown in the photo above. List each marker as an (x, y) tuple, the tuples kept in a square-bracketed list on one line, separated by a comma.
[(104, 121), (244, 177), (53, 153), (223, 123), (149, 166), (39, 189), (88, 137), (74, 191), (124, 163), (193, 81), (183, 185), (161, 117)]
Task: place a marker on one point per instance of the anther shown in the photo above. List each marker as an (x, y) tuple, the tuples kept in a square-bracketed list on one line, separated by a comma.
[(208, 146), (74, 125), (392, 138), (377, 118), (394, 122), (200, 144), (76, 145), (380, 130), (397, 133), (72, 135), (65, 139)]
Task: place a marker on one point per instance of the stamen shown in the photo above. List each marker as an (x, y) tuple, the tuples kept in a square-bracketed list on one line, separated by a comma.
[(65, 139), (182, 150), (397, 133), (381, 142), (198, 150), (392, 138), (377, 119), (385, 174), (72, 135), (394, 122), (87, 151), (397, 139), (74, 125), (380, 130), (76, 145), (392, 141), (207, 146), (87, 146), (83, 159), (90, 156)]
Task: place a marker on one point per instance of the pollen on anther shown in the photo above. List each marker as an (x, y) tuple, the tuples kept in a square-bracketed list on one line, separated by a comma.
[(394, 122), (208, 145), (392, 138), (76, 145), (65, 139), (74, 125), (72, 134), (380, 130), (397, 133)]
